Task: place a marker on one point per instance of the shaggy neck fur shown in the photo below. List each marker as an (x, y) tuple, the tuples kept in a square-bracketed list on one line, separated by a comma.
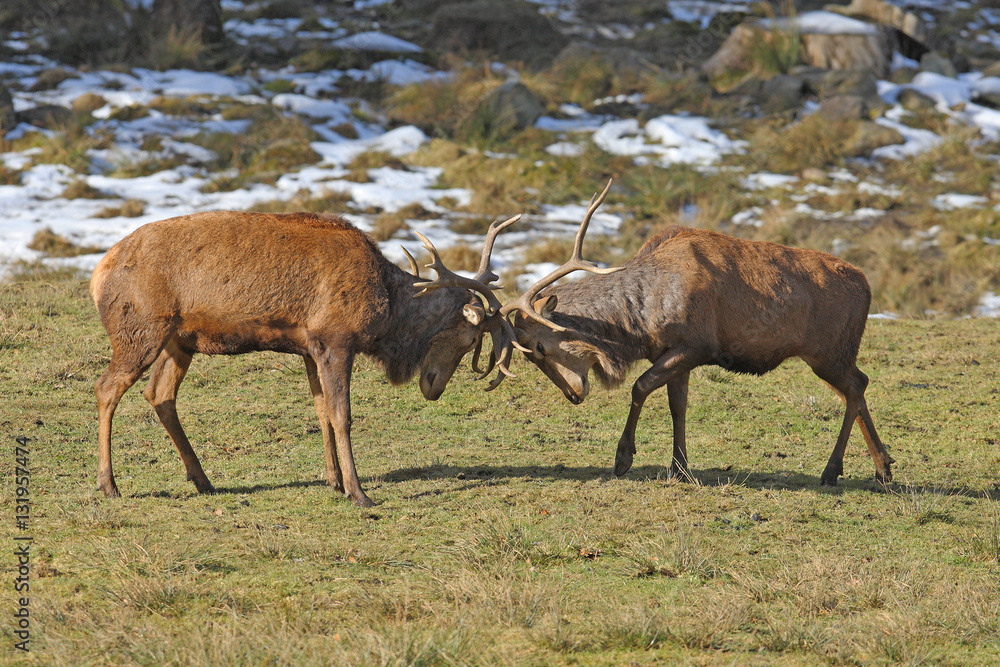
[(604, 314), (412, 323)]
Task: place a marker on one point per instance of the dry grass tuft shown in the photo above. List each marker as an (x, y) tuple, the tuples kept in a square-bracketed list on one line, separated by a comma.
[(56, 245)]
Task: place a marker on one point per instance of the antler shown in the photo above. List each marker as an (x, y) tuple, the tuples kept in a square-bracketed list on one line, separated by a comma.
[(501, 331), (576, 262), (484, 276)]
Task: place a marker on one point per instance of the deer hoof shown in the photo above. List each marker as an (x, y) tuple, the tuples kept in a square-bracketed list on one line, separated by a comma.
[(363, 501), (205, 487), (623, 461), (828, 479), (108, 486)]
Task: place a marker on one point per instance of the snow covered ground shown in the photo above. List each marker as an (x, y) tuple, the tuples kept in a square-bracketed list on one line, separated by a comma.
[(36, 202)]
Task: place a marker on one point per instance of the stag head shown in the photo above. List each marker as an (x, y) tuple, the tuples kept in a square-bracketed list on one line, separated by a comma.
[(557, 351), (481, 315)]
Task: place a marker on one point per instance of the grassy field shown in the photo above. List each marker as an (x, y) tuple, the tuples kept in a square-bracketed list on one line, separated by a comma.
[(501, 536)]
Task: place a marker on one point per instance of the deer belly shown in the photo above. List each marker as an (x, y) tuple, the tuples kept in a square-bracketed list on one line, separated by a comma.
[(240, 338)]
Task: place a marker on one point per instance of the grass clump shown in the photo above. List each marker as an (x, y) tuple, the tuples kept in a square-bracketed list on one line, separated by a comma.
[(56, 245), (387, 224), (328, 201), (79, 189), (272, 145), (130, 208)]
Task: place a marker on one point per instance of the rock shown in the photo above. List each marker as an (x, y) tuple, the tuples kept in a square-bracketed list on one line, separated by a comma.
[(7, 117), (47, 116), (511, 106), (735, 53), (203, 17), (859, 83), (872, 52), (515, 101), (88, 103), (870, 136), (51, 78), (933, 61), (903, 75), (912, 100), (841, 107), (907, 23), (783, 92), (992, 69), (813, 175), (504, 29), (868, 49)]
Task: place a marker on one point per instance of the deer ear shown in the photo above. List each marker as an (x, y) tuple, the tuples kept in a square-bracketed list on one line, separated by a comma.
[(546, 306), (474, 314)]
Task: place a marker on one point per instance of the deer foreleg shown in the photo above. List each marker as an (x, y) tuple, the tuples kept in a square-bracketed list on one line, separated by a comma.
[(333, 475), (677, 394), (334, 369), (670, 367)]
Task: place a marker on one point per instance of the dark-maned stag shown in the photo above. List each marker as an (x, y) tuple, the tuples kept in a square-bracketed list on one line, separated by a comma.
[(305, 284), (691, 298)]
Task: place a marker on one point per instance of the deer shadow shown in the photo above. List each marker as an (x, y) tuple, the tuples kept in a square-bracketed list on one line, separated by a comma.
[(713, 477)]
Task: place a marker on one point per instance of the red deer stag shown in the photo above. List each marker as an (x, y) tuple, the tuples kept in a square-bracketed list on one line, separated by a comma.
[(691, 298), (305, 284)]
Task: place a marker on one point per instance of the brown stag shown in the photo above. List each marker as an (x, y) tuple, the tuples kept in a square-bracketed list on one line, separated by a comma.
[(691, 298), (305, 284)]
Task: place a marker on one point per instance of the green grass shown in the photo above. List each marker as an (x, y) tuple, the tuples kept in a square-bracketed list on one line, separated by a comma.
[(501, 535)]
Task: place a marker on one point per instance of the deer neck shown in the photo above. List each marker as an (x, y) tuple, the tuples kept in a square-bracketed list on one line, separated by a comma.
[(606, 321), (412, 323)]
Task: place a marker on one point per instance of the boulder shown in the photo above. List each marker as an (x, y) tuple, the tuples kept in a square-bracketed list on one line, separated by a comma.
[(932, 61), (505, 29), (857, 83), (47, 116), (51, 78), (203, 17), (514, 104), (783, 92), (908, 24), (88, 103), (844, 107), (903, 75), (912, 100), (870, 136), (992, 70), (826, 40), (7, 117)]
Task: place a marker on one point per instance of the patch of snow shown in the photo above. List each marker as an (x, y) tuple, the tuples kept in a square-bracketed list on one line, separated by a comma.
[(750, 216), (701, 12), (678, 140), (989, 305), (952, 200), (766, 181), (824, 23), (916, 141), (887, 315), (374, 40), (397, 72), (338, 112), (564, 149)]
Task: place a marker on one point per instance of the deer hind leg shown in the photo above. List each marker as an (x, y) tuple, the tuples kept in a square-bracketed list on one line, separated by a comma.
[(164, 379), (129, 360), (677, 395), (673, 367), (850, 384), (334, 477), (880, 455)]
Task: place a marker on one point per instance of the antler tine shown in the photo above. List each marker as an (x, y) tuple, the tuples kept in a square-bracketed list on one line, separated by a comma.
[(575, 263), (485, 272), (413, 263), (448, 278)]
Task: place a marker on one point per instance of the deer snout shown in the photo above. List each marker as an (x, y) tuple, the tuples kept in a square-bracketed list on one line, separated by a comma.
[(429, 386)]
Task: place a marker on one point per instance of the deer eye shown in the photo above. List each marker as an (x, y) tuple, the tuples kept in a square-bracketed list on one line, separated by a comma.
[(540, 349)]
